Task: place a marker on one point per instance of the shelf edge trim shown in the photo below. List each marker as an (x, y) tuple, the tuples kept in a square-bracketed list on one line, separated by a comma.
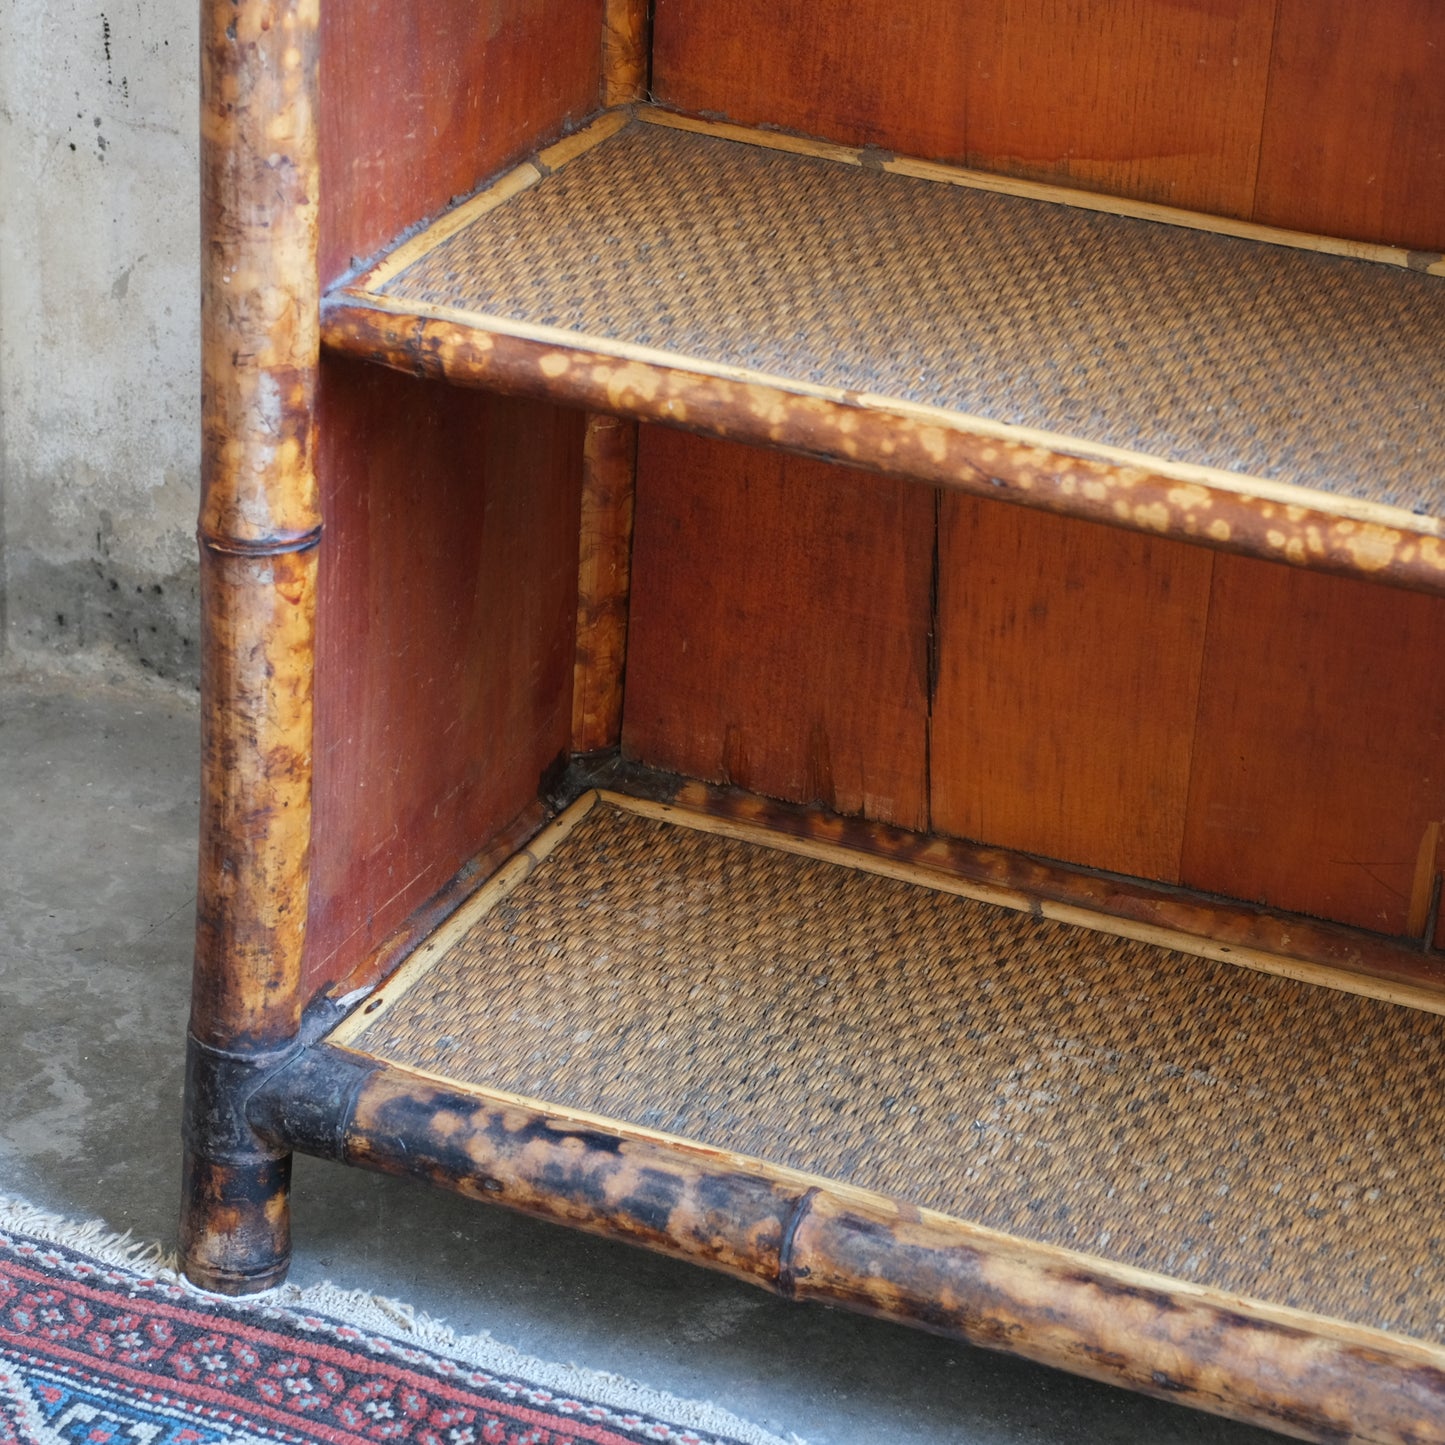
[(1272, 1364), (1278, 521)]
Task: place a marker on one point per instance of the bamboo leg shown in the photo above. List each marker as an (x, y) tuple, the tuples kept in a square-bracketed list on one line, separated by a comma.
[(603, 581), (259, 527), (626, 52)]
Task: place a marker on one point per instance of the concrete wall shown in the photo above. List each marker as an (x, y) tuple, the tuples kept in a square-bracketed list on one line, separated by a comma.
[(99, 417)]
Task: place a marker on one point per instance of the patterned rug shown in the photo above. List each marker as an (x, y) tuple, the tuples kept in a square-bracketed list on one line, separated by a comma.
[(101, 1343)]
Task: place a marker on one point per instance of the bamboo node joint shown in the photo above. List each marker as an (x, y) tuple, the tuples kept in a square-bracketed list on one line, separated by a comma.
[(788, 1272)]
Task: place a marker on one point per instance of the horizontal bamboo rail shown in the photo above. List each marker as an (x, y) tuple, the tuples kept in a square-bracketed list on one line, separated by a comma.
[(1250, 516), (1289, 945), (806, 1238)]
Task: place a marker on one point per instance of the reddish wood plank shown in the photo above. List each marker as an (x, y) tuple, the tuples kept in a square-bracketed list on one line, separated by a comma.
[(1320, 758), (422, 100), (1153, 99), (1147, 98), (865, 72), (1069, 657), (1354, 134), (779, 626), (445, 639)]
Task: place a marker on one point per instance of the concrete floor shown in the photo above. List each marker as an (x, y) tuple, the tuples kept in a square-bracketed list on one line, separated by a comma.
[(97, 855)]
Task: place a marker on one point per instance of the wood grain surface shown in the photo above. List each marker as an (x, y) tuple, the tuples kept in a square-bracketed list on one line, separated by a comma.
[(1159, 101), (779, 626), (1324, 117), (848, 70), (445, 640), (422, 100), (1137, 98), (1320, 757), (1354, 136), (1069, 659)]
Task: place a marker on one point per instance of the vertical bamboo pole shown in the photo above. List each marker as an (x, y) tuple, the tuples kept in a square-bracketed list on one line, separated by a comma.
[(609, 467), (259, 526), (626, 52)]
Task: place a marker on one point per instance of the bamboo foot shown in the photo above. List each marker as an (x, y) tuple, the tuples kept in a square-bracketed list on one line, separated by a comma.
[(236, 1224)]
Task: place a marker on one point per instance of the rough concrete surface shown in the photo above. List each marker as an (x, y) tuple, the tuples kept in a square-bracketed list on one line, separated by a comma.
[(97, 853), (99, 352)]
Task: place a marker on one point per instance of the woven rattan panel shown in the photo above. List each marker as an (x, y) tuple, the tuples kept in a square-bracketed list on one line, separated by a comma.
[(1317, 370), (1215, 1124)]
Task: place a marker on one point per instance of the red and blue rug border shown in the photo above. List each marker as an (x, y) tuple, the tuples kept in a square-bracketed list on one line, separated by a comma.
[(98, 1352)]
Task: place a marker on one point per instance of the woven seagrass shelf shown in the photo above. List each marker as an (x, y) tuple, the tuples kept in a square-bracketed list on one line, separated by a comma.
[(686, 1020), (1264, 391)]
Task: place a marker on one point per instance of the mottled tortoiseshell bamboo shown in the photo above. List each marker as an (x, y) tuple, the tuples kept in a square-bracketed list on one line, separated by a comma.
[(603, 581), (808, 1239), (887, 436), (259, 526)]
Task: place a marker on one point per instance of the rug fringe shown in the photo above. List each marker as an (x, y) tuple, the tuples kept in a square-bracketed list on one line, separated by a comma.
[(398, 1322), (405, 1325), (92, 1236)]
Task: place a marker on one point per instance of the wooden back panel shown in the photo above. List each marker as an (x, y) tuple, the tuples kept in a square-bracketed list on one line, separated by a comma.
[(1319, 756), (1151, 708), (779, 629), (1069, 662), (445, 635), (1326, 115), (1091, 695), (1354, 133), (449, 560), (422, 100)]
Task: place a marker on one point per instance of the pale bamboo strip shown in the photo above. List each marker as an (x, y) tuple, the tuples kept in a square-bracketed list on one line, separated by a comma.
[(1428, 262), (1422, 888), (433, 949), (512, 183), (1320, 975), (560, 153)]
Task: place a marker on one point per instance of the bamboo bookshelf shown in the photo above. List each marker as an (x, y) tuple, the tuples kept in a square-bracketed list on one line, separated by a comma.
[(678, 799)]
